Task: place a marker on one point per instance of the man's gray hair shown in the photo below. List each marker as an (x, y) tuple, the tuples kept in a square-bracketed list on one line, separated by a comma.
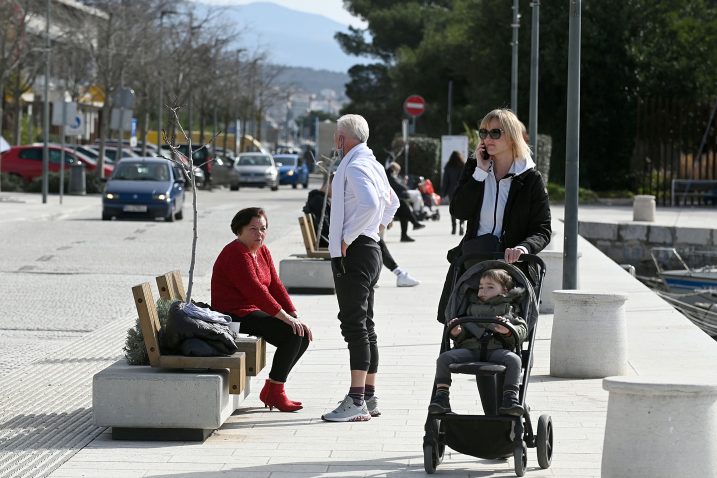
[(355, 126)]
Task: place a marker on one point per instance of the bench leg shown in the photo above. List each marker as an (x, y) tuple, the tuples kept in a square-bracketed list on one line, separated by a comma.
[(161, 434), (237, 380)]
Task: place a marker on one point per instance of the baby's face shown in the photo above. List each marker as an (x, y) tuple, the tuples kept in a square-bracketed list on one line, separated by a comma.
[(489, 288)]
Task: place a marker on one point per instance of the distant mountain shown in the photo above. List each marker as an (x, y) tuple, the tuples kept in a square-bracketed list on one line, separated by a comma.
[(291, 37), (314, 81)]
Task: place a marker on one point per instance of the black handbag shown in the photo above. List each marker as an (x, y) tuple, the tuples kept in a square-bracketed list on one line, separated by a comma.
[(486, 245)]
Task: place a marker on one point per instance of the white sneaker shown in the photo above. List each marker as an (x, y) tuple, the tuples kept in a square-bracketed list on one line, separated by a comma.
[(347, 411), (405, 280)]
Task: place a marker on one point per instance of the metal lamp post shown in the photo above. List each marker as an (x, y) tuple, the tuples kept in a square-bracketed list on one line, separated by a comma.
[(534, 63), (46, 112), (572, 151), (160, 96), (514, 71)]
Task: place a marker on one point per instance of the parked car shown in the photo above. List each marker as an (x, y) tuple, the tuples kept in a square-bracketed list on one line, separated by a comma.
[(257, 169), (152, 187), (292, 170), (25, 161), (224, 173), (199, 177), (201, 157)]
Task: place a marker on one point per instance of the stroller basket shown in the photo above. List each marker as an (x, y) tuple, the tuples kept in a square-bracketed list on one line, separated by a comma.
[(495, 437)]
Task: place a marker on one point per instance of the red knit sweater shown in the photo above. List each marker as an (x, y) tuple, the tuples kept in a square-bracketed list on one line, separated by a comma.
[(242, 283)]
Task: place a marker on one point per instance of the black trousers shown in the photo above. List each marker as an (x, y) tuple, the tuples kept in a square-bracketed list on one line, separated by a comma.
[(355, 275), (386, 256), (289, 346), (405, 215)]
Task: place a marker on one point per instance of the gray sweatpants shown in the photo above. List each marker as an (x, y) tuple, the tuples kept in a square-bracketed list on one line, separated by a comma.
[(498, 356)]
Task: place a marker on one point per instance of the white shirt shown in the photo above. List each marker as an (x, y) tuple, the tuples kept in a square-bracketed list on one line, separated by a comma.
[(362, 200), (495, 196)]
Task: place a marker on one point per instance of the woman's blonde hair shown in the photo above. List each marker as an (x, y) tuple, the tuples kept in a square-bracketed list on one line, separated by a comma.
[(512, 127)]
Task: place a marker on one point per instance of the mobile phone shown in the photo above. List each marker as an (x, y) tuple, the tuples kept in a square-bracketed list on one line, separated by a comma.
[(484, 154)]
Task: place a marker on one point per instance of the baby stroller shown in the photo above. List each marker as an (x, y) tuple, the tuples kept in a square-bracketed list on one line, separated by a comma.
[(491, 436)]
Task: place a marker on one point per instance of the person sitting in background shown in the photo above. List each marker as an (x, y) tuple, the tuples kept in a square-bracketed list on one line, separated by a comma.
[(315, 204), (405, 212)]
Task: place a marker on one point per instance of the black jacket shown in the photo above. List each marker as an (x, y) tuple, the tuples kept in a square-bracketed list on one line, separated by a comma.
[(526, 221), (451, 175), (314, 205), (185, 335)]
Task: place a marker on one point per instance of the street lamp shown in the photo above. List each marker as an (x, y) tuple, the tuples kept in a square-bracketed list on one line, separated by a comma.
[(160, 102), (46, 112), (514, 73), (534, 62)]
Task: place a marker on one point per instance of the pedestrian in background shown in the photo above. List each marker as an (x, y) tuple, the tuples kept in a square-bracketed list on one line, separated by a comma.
[(451, 175), (363, 204)]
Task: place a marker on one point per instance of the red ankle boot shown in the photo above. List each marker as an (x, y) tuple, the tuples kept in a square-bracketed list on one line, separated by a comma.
[(265, 390), (276, 397)]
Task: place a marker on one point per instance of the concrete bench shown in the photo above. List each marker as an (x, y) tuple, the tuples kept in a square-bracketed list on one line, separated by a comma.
[(308, 273), (176, 397), (146, 403)]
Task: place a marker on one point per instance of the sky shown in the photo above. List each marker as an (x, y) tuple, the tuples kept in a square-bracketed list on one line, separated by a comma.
[(333, 9)]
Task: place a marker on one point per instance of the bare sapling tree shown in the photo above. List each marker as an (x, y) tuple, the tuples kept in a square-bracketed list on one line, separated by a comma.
[(326, 166), (188, 171)]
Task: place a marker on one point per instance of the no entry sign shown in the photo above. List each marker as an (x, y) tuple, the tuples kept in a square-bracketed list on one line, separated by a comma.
[(414, 105)]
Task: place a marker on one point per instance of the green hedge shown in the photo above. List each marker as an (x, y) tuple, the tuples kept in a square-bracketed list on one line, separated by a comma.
[(11, 183), (423, 157), (93, 184)]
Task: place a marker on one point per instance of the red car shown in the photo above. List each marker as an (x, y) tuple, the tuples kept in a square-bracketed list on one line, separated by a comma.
[(26, 161)]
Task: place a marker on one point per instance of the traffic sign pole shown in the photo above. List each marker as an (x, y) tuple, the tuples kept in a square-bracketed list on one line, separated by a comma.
[(414, 106)]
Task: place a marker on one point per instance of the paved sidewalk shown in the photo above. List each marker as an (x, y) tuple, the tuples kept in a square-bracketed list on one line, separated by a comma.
[(258, 443)]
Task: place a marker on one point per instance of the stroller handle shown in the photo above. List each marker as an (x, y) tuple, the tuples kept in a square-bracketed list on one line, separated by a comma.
[(499, 256)]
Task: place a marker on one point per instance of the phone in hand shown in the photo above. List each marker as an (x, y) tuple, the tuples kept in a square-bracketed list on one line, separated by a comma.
[(484, 154)]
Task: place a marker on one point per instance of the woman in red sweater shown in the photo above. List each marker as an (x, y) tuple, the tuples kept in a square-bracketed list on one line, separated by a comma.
[(246, 286)]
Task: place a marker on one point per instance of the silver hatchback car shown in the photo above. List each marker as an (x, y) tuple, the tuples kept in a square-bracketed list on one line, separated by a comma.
[(257, 169)]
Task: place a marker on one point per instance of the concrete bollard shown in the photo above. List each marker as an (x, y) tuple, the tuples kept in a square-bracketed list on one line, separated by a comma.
[(589, 337), (660, 428), (643, 208), (553, 278)]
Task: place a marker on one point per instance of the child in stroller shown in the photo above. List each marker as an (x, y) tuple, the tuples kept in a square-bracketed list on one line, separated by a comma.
[(496, 297), (501, 431)]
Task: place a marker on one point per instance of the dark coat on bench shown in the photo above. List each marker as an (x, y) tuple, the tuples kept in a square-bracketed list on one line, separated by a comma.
[(183, 335)]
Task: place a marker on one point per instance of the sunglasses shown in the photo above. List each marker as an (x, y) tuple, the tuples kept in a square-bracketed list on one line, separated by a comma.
[(494, 133)]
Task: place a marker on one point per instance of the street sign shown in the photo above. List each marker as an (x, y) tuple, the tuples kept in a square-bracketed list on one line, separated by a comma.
[(133, 133), (69, 109), (123, 98), (74, 126), (414, 106), (120, 119)]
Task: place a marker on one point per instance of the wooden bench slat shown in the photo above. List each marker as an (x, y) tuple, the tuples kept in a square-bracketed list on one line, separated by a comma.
[(171, 287), (149, 324), (309, 235)]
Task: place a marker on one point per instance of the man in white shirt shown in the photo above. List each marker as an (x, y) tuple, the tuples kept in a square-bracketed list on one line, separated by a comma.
[(362, 205)]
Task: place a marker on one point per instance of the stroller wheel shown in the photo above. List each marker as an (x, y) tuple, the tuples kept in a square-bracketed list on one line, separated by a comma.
[(520, 458), (429, 459), (544, 441)]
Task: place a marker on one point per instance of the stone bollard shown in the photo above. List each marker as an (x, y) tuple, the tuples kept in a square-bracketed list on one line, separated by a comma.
[(643, 208), (660, 428), (589, 337), (553, 278)]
